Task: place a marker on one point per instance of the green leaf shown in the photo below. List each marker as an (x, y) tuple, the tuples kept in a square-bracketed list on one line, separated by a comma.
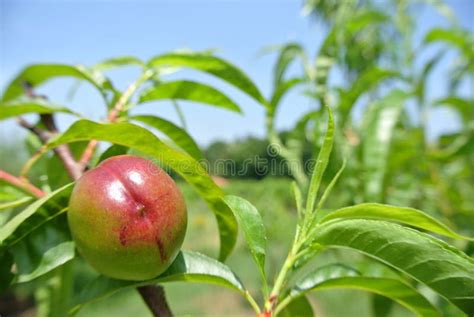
[(298, 198), (35, 215), (330, 48), (299, 307), (281, 90), (189, 91), (368, 80), (138, 138), (251, 223), (398, 291), (382, 306), (51, 259), (421, 81), (457, 37), (38, 74), (15, 203), (113, 150), (117, 62), (175, 133), (321, 164), (189, 267), (446, 270), (305, 284), (212, 65), (465, 107), (288, 53), (405, 215), (378, 128), (17, 108)]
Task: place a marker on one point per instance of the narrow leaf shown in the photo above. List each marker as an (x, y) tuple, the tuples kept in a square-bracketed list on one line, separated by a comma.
[(398, 291), (175, 133), (432, 262), (38, 74), (117, 62), (288, 53), (189, 91), (379, 124), (298, 198), (50, 260), (405, 215), (321, 164), (251, 223), (112, 150), (188, 267), (15, 203), (281, 90), (212, 65), (368, 80), (35, 215), (20, 107)]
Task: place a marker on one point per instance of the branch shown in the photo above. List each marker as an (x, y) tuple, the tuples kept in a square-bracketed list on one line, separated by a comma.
[(21, 184), (62, 151), (87, 154), (154, 297), (113, 116)]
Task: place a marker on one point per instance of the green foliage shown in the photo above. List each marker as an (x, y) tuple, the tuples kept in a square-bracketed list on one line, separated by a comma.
[(191, 91), (387, 158)]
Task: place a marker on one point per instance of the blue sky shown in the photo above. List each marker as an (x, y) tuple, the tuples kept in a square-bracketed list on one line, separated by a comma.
[(86, 32)]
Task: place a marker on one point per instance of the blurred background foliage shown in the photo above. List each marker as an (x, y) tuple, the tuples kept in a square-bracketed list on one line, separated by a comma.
[(381, 108)]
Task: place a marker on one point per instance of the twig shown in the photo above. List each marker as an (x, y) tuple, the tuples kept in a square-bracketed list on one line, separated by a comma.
[(87, 154), (180, 113), (62, 151), (22, 184), (154, 297), (113, 116)]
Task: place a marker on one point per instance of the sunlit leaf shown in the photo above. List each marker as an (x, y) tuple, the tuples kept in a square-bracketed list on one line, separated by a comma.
[(328, 53), (117, 62), (175, 133), (188, 267), (35, 215), (457, 37), (379, 123), (405, 295), (189, 91), (281, 90), (251, 223), (321, 164), (465, 107), (363, 84), (20, 107), (287, 54), (15, 203), (446, 270), (51, 259), (212, 65), (405, 215), (38, 74), (111, 151)]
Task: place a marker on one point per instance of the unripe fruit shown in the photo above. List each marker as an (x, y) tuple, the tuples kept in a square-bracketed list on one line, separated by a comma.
[(128, 218)]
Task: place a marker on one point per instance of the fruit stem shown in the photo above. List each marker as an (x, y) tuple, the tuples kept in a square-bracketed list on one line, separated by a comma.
[(154, 297)]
